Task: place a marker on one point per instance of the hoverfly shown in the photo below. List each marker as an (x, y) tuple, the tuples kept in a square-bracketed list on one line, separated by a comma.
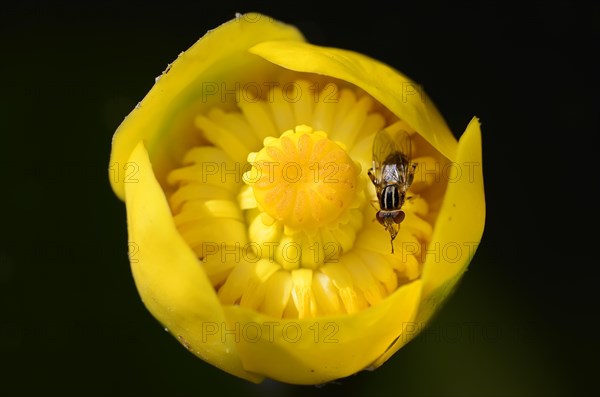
[(392, 174)]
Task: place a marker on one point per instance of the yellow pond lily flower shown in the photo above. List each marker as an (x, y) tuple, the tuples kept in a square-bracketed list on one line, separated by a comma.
[(252, 217)]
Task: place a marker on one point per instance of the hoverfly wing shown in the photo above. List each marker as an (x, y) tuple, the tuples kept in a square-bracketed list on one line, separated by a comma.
[(387, 146), (383, 146), (403, 144)]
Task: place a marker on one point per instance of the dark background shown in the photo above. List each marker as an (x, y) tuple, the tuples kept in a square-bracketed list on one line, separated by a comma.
[(522, 321)]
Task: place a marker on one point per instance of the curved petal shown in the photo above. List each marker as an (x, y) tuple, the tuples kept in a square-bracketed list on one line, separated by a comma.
[(168, 275), (461, 220), (319, 350), (457, 233), (394, 90), (194, 76)]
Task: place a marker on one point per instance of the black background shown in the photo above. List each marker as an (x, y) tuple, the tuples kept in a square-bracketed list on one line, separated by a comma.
[(522, 321)]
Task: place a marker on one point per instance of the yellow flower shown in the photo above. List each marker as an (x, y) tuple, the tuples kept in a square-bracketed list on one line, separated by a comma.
[(251, 214)]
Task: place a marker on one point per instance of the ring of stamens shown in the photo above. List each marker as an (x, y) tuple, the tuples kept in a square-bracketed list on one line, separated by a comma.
[(278, 207)]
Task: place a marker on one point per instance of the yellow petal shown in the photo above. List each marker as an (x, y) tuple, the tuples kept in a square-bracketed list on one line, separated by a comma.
[(456, 235), (461, 219), (170, 278), (395, 91), (319, 350), (209, 69)]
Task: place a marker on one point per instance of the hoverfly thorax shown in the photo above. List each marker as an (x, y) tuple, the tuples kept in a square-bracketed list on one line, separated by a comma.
[(392, 174)]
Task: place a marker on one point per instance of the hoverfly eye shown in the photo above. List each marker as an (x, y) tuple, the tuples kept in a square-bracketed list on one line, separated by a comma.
[(380, 217), (399, 217)]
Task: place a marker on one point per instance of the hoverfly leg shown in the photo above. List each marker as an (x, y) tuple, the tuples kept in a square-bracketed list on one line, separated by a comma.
[(373, 205), (372, 176), (411, 173), (393, 237)]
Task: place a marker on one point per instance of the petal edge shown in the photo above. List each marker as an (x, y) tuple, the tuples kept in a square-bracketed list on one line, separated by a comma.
[(397, 92), (169, 277)]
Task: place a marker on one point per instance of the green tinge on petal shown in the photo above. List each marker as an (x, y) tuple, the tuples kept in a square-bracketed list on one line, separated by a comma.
[(394, 90), (457, 233), (170, 278), (319, 350), (216, 59)]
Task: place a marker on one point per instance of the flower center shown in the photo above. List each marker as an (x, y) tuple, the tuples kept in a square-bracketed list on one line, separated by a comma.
[(303, 179), (280, 211), (304, 188)]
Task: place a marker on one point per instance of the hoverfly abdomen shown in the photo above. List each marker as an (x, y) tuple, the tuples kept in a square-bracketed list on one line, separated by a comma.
[(390, 198)]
